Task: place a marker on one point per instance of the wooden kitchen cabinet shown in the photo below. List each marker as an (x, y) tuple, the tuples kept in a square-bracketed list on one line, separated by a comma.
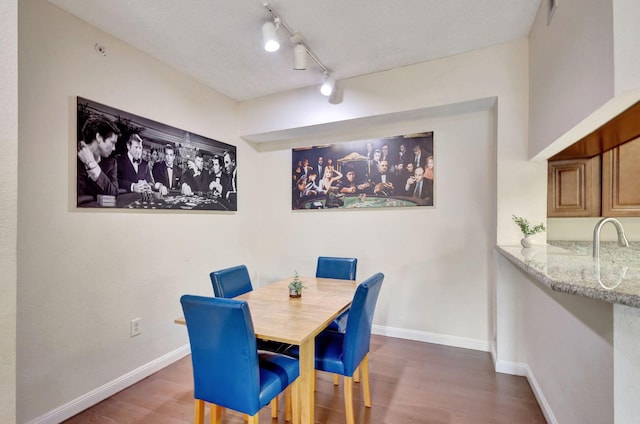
[(621, 180), (604, 185), (573, 187)]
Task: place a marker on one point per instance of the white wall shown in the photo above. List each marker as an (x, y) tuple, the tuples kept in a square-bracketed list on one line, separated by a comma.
[(582, 229), (625, 51), (8, 206), (564, 343), (571, 66), (83, 275), (626, 325)]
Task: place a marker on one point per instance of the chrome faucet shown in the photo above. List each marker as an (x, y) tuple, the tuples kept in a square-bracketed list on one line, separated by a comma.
[(622, 240)]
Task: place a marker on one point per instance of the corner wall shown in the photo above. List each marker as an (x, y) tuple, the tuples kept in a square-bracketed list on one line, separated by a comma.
[(8, 206)]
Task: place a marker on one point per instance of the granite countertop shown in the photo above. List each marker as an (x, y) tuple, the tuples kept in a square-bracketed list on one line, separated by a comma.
[(568, 267)]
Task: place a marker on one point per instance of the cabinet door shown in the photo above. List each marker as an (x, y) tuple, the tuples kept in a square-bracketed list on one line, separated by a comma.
[(574, 187), (621, 180)]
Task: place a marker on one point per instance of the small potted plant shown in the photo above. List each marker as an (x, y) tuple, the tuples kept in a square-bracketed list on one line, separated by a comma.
[(296, 285), (527, 230)]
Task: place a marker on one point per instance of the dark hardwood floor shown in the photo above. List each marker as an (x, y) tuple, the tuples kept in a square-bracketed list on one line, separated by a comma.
[(411, 382)]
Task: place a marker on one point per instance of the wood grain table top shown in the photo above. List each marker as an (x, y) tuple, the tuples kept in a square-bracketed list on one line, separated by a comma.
[(278, 317)]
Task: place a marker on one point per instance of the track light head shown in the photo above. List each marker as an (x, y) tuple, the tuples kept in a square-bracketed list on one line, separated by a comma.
[(269, 37), (327, 86), (337, 95), (299, 57)]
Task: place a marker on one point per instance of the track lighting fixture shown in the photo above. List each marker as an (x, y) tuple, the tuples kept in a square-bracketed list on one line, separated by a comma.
[(300, 51), (269, 36), (327, 86)]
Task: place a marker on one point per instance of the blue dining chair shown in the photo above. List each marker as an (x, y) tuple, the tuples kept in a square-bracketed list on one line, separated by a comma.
[(234, 281), (231, 282), (344, 353), (228, 370), (340, 268), (334, 267)]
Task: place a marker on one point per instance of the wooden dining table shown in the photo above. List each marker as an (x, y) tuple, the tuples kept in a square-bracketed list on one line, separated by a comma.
[(297, 321)]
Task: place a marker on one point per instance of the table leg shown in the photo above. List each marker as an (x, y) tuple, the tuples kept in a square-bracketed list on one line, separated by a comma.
[(307, 366)]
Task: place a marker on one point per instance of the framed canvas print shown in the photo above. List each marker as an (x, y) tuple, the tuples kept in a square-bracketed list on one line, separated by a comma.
[(127, 161), (385, 172)]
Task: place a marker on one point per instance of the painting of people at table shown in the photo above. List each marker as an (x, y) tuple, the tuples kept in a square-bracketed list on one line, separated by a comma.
[(387, 172), (131, 162)]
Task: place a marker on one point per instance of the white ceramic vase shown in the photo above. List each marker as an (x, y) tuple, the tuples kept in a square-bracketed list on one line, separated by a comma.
[(527, 241)]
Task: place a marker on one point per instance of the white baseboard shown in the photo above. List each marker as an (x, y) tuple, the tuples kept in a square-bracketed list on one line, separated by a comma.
[(101, 393), (492, 350), (523, 369), (423, 336), (513, 368), (542, 401)]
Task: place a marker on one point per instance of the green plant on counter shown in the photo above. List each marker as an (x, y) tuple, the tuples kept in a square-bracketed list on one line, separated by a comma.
[(296, 285), (526, 227)]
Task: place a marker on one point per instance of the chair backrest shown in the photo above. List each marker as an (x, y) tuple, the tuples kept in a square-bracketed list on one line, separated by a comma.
[(358, 334), (231, 282), (223, 352), (340, 268)]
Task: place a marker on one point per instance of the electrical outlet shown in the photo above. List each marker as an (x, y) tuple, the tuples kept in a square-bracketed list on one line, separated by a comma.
[(136, 327)]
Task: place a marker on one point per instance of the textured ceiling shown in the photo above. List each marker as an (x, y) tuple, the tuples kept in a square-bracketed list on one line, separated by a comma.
[(218, 42)]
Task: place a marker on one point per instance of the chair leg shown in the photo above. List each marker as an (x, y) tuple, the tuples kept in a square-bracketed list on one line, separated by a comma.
[(199, 414), (336, 379), (253, 419), (274, 407), (287, 403), (356, 375), (348, 399), (364, 368), (215, 414)]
